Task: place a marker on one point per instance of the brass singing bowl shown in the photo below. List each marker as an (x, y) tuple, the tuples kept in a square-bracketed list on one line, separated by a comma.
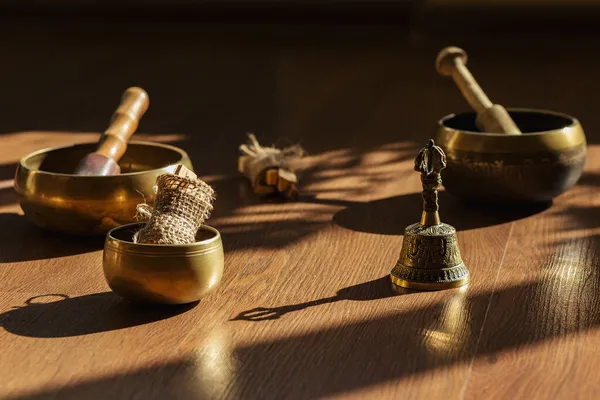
[(543, 162), (55, 199), (163, 274)]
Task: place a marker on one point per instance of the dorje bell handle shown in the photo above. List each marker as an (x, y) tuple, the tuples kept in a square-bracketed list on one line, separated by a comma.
[(430, 162), (124, 123), (492, 118)]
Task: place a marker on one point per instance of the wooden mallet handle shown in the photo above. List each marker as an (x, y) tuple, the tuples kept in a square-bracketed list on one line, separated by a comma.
[(113, 142), (491, 117)]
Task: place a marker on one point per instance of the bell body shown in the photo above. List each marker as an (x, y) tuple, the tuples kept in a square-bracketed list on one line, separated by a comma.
[(430, 259)]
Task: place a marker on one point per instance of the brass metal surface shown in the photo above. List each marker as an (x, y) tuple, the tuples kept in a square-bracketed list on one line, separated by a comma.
[(163, 274), (55, 199), (430, 257), (543, 162)]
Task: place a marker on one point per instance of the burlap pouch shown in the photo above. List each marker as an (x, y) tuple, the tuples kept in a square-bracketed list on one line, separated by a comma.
[(182, 205)]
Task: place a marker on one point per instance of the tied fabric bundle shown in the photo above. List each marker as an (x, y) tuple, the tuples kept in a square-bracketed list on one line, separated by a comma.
[(268, 168), (183, 202)]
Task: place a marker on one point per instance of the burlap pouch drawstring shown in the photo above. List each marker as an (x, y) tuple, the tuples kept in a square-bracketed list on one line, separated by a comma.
[(257, 160), (182, 205)]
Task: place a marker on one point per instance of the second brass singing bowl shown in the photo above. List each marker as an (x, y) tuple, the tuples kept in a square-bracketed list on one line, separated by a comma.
[(163, 274), (55, 199), (543, 162)]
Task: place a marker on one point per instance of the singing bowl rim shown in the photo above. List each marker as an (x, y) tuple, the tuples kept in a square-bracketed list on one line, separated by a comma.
[(131, 247), (567, 137), (573, 124), (23, 161)]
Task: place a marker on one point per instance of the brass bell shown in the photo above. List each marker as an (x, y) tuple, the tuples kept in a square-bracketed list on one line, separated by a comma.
[(430, 258)]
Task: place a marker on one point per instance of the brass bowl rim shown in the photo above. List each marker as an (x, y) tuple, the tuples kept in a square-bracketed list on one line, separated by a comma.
[(574, 122), (211, 240), (23, 160)]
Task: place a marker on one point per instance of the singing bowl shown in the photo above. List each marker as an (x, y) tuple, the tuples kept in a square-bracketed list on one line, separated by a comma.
[(55, 199), (163, 274), (543, 162)]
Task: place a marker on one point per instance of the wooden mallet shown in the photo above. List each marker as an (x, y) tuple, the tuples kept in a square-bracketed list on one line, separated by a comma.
[(492, 118), (113, 142)]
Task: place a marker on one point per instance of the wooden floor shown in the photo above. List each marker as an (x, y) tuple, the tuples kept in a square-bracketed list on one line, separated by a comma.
[(304, 309)]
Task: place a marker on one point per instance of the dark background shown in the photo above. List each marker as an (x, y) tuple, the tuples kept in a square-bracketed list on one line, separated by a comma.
[(344, 75), (325, 74)]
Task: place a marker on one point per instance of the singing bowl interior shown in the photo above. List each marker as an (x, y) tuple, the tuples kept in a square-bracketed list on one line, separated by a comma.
[(56, 200), (163, 274), (543, 162)]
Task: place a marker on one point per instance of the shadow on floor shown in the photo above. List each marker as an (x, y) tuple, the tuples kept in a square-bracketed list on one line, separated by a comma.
[(21, 240), (82, 315), (7, 171), (279, 224), (390, 216), (8, 196), (171, 380), (288, 222), (359, 354), (371, 290), (589, 179)]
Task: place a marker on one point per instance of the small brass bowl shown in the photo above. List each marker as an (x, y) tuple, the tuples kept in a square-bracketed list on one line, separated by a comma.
[(543, 162), (55, 199), (162, 274)]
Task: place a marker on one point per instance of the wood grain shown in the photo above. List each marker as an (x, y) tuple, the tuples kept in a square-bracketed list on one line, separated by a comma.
[(305, 309), (543, 320)]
